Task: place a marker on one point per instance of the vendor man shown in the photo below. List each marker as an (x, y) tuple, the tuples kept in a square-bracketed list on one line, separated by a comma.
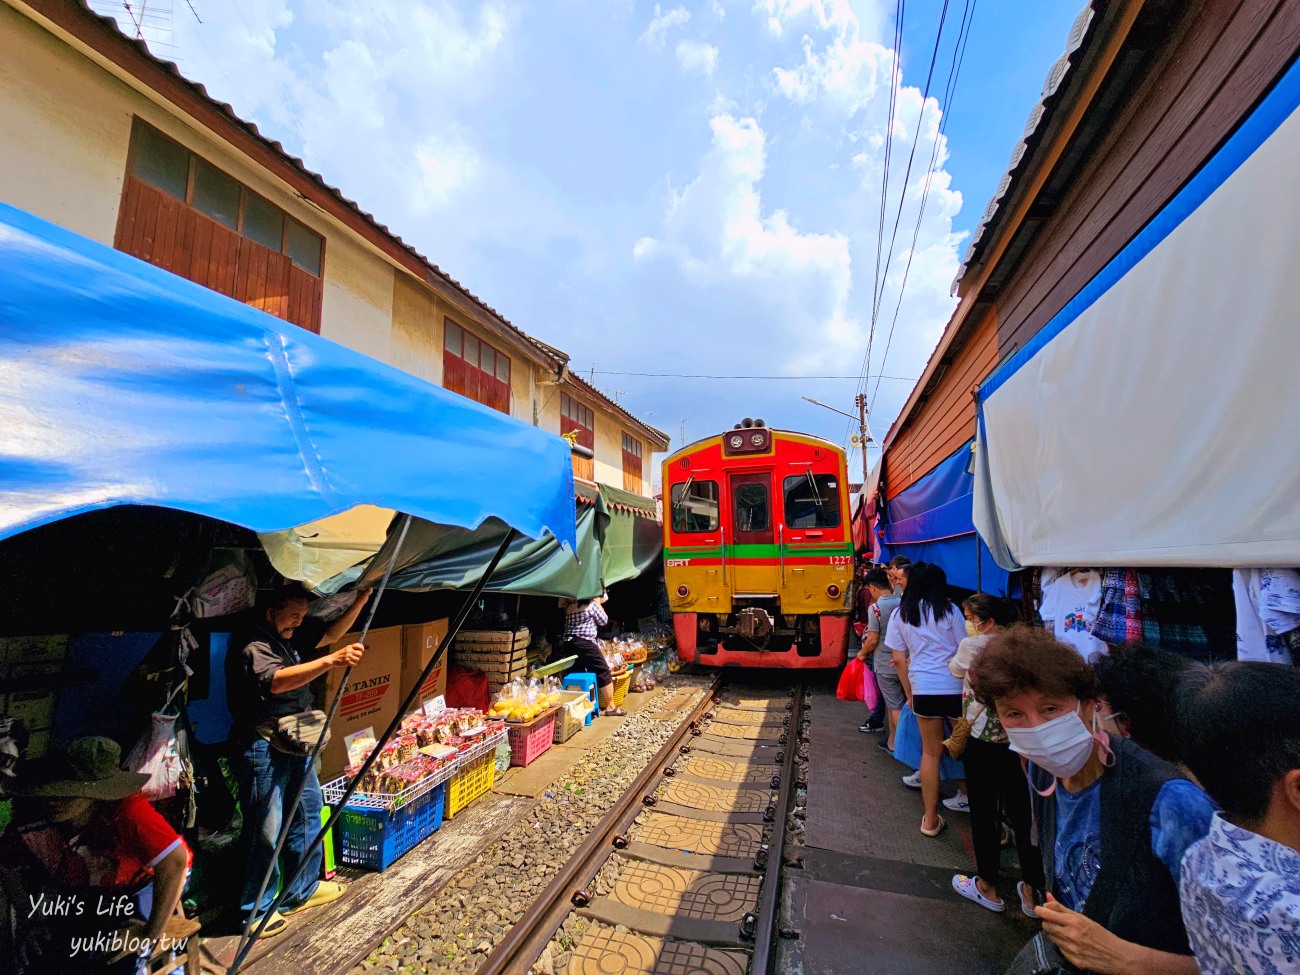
[(269, 671)]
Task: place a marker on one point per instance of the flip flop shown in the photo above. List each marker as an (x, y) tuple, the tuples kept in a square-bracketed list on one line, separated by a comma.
[(967, 887), (275, 926), (1021, 887), (325, 892), (933, 832)]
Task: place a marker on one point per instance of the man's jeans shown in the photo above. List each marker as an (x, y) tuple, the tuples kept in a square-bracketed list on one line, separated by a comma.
[(267, 783)]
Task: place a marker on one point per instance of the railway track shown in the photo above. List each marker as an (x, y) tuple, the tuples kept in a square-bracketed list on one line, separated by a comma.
[(683, 875)]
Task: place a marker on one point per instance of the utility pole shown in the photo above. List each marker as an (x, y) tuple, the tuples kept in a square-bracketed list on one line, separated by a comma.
[(862, 431), (863, 439)]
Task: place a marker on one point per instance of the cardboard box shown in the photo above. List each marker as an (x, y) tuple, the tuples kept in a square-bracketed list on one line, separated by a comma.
[(419, 643), (372, 697)]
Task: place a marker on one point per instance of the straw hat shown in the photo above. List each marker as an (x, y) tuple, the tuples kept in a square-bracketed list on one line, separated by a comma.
[(88, 768)]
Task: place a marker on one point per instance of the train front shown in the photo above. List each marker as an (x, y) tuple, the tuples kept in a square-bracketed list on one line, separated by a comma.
[(758, 556)]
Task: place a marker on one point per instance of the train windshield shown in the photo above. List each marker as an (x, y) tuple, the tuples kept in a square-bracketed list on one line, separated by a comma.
[(812, 501), (695, 506)]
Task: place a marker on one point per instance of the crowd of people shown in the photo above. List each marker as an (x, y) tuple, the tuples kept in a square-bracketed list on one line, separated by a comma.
[(1153, 801)]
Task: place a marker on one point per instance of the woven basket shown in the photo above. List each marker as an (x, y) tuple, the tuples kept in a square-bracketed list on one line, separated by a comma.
[(621, 683)]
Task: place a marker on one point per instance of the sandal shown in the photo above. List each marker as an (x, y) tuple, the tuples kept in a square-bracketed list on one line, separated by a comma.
[(275, 926), (933, 832), (968, 888), (1021, 887), (325, 892), (614, 713)]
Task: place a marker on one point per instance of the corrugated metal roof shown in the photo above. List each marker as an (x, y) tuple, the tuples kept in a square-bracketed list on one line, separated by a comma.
[(1036, 123)]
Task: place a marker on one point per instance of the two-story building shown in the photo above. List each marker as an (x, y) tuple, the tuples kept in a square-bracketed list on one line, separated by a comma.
[(106, 140)]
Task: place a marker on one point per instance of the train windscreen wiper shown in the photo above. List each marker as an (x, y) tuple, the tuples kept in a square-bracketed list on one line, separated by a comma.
[(812, 482)]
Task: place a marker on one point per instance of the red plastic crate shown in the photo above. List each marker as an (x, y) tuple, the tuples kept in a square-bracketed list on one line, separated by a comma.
[(529, 739)]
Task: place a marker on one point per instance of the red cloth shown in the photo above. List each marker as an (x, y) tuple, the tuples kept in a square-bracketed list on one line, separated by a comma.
[(119, 849), (467, 688)]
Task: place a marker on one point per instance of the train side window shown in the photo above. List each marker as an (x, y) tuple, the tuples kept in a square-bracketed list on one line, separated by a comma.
[(812, 501), (695, 506), (753, 507)]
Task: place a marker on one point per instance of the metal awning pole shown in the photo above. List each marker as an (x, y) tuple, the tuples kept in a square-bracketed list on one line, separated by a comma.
[(461, 615), (287, 821)]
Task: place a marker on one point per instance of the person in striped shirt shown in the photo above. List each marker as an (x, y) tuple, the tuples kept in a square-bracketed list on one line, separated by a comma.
[(583, 620)]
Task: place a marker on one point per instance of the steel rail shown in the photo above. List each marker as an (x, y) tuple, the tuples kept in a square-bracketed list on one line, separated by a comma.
[(769, 896), (526, 941)]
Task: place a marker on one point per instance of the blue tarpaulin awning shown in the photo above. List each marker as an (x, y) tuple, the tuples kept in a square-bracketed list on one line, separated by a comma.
[(121, 383), (931, 522)]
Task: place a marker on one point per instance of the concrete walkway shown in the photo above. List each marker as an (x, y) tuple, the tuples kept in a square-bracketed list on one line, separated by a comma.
[(875, 894)]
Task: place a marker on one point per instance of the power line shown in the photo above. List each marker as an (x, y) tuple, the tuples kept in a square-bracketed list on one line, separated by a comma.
[(950, 91), (680, 375)]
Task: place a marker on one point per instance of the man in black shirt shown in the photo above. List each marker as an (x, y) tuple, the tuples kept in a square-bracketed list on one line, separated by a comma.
[(270, 667)]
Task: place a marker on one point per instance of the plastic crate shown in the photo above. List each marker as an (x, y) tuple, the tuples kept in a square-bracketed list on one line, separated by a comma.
[(376, 838), (475, 774), (566, 724), (473, 779), (529, 739), (621, 683)]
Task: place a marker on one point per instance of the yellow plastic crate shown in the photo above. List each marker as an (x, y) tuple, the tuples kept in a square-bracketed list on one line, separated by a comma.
[(621, 683), (473, 780)]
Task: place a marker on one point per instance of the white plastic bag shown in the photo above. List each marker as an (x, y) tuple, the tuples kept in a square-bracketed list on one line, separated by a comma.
[(158, 755)]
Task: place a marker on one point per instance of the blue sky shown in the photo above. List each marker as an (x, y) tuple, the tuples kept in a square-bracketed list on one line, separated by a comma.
[(684, 187)]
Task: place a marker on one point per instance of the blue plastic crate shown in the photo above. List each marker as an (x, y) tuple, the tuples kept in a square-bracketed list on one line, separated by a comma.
[(376, 838)]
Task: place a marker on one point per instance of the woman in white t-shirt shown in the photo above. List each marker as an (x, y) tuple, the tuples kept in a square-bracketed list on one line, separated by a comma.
[(923, 636)]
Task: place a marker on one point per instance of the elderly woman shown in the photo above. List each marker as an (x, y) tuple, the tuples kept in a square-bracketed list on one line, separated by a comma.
[(100, 842), (1113, 820)]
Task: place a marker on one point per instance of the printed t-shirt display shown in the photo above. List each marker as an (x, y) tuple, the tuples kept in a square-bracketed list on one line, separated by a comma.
[(929, 647), (1268, 605), (1071, 602)]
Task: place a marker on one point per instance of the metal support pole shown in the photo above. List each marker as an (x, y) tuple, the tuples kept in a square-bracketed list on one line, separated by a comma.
[(862, 432)]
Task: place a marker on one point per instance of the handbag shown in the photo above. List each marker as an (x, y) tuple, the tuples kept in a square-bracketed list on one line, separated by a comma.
[(296, 734), (1041, 957), (955, 743)]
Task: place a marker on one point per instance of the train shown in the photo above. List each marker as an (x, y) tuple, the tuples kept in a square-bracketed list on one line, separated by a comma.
[(758, 549)]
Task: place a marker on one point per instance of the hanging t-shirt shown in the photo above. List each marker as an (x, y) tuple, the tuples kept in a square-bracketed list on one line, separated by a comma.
[(1070, 606), (1268, 605), (929, 648)]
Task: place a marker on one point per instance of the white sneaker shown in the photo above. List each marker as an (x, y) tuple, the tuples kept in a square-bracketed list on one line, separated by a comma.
[(958, 803), (913, 781)]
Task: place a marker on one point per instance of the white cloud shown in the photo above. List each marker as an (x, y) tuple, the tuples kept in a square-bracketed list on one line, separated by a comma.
[(697, 56), (664, 22), (718, 10)]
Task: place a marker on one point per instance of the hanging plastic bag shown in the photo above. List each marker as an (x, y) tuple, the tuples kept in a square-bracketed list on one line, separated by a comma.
[(907, 747), (158, 755), (870, 693), (850, 688)]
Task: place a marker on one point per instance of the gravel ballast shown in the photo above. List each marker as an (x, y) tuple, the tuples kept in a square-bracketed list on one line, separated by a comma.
[(456, 930)]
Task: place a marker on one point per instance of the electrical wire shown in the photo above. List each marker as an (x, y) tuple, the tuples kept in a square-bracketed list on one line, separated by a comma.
[(681, 375), (950, 92)]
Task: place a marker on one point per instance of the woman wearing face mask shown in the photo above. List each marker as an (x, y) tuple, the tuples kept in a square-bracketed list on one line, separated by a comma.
[(1113, 820), (994, 780)]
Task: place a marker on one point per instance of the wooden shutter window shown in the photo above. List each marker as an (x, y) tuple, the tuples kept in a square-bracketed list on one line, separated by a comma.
[(181, 213), (574, 416), (632, 471), (475, 369)]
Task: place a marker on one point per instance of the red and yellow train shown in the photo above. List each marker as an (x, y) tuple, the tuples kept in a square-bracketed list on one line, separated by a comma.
[(758, 551)]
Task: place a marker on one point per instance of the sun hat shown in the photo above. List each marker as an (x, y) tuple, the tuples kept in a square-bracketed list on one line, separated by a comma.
[(87, 768)]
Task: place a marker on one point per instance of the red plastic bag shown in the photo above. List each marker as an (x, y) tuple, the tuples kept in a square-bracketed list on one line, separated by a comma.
[(850, 688)]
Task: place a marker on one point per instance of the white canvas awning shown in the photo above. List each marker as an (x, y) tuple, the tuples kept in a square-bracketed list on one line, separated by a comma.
[(1156, 420)]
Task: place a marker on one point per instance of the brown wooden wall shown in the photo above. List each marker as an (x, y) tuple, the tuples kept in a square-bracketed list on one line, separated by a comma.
[(1204, 78), (947, 419), (160, 229)]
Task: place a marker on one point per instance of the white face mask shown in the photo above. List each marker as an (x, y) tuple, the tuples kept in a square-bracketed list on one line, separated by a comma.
[(1061, 746)]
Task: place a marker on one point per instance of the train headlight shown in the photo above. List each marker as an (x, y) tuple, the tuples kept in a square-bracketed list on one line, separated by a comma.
[(683, 591), (832, 590)]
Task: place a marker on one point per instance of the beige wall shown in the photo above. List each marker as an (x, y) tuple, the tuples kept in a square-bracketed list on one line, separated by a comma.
[(65, 127), (357, 305), (417, 330)]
